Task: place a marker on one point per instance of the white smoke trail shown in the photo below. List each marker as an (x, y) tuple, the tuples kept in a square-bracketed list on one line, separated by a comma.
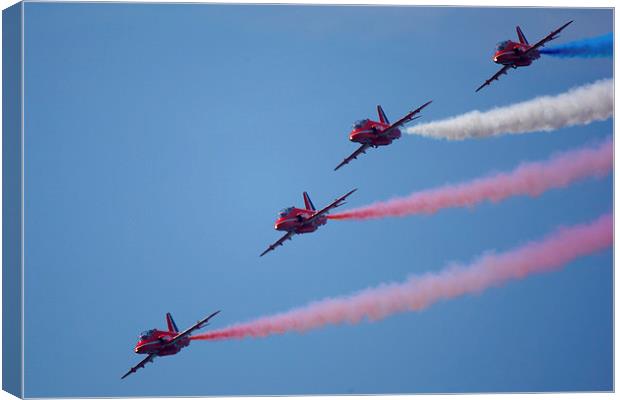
[(578, 106)]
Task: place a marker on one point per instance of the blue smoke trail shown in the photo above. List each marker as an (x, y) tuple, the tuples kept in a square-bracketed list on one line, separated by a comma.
[(600, 46)]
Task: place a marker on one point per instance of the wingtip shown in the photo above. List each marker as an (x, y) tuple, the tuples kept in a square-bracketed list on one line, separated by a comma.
[(342, 164), (417, 110), (423, 106)]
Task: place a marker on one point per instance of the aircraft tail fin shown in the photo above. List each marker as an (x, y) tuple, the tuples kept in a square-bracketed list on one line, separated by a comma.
[(382, 117), (172, 327), (522, 38), (308, 202)]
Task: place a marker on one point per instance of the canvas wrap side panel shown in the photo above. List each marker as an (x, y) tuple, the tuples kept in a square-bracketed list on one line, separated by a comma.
[(12, 200)]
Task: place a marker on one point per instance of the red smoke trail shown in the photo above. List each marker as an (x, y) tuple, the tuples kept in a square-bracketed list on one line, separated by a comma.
[(418, 292), (531, 178)]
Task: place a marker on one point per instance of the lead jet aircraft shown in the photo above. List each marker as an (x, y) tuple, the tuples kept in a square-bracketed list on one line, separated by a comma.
[(302, 220), (512, 55), (158, 343)]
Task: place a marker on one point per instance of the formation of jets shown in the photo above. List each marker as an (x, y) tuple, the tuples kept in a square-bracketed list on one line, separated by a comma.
[(294, 221)]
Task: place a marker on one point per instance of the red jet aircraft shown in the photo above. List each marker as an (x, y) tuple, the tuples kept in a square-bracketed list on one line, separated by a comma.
[(158, 343), (296, 220), (377, 133), (513, 55)]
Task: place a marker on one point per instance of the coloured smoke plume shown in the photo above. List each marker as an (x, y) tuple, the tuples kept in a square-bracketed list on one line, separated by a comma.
[(531, 178), (578, 106), (419, 292), (600, 46)]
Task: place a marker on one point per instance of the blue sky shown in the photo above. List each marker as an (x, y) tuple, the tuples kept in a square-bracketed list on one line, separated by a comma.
[(162, 139)]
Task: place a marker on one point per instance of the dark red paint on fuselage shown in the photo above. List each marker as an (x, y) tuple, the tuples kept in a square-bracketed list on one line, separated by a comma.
[(156, 343), (293, 220), (366, 132), (513, 54)]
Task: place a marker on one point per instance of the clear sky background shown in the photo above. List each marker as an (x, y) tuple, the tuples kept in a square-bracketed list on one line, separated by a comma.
[(162, 139)]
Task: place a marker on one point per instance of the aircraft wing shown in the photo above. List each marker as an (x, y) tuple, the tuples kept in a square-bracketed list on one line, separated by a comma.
[(189, 330), (336, 203), (407, 118), (362, 149), (494, 77), (280, 242), (141, 364), (548, 38)]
